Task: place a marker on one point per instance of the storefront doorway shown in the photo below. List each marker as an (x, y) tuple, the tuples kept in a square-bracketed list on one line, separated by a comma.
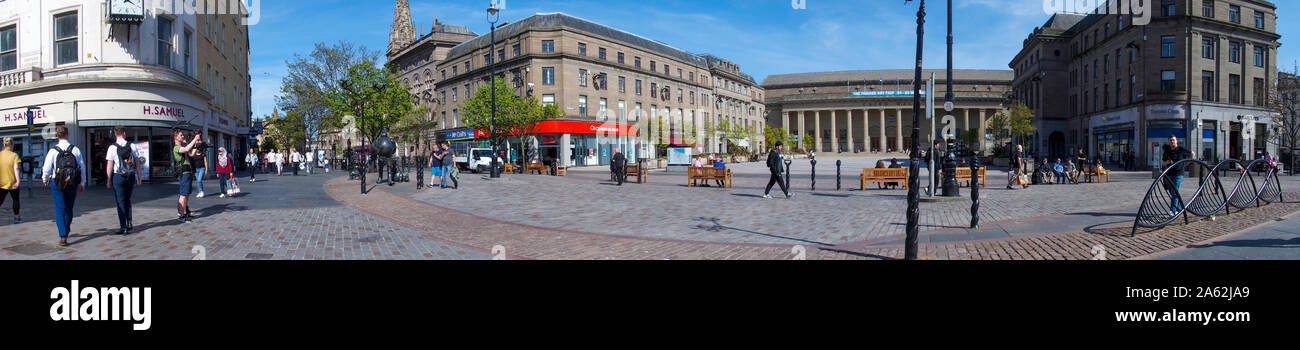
[(1234, 141)]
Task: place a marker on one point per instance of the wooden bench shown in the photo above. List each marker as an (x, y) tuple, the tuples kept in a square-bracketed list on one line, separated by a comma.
[(510, 168), (882, 175), (706, 174), (1091, 173), (963, 174), (538, 168), (636, 171)]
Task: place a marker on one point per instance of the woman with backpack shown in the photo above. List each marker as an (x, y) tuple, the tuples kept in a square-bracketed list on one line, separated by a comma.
[(65, 172)]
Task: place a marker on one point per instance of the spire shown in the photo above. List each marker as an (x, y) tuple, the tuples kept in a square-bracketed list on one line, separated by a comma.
[(403, 32)]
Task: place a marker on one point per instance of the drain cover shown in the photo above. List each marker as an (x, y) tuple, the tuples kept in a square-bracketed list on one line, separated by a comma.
[(33, 249), (259, 256)]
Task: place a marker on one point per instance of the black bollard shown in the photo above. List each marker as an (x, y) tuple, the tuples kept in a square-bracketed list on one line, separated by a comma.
[(974, 192), (787, 173), (419, 173), (837, 175), (814, 174)]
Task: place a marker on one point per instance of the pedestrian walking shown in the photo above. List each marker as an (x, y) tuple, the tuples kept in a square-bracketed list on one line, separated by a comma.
[(9, 179), (1016, 166), (279, 163), (199, 158), (449, 166), (184, 166), (1173, 153), (225, 168), (124, 173), (776, 167), (617, 165), (310, 159), (435, 165), (251, 159), (65, 173), (295, 160)]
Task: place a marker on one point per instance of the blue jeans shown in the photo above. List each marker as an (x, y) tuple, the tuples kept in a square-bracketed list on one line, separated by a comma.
[(123, 187), (1060, 177), (198, 177), (1176, 200), (63, 200), (446, 174)]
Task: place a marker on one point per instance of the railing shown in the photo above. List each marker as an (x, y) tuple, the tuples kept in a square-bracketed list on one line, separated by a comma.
[(1164, 201), (20, 77)]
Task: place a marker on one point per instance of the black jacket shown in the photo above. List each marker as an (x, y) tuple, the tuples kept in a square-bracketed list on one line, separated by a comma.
[(774, 162), (617, 162)]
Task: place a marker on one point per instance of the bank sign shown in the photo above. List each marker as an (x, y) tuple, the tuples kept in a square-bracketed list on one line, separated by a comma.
[(460, 134), (885, 93)]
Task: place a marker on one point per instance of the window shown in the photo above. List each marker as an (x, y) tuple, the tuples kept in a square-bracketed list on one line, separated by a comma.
[(487, 59), (679, 73), (1259, 56), (1207, 8), (548, 45), (582, 77), (1094, 68), (548, 75), (455, 70), (1167, 8), (1107, 30), (1132, 55), (444, 119), (692, 97), (501, 55), (1167, 80), (1106, 65), (1234, 88), (622, 110), (602, 112), (1259, 20), (679, 95), (1234, 52), (1207, 86), (1085, 101), (636, 113), (188, 37), (65, 39), (638, 87), (1105, 96), (620, 58), (692, 75), (467, 92), (636, 61), (1096, 99), (602, 53), (8, 48), (1119, 23), (1260, 99), (444, 73), (1234, 14), (1132, 88), (652, 65), (1207, 48), (1119, 63), (455, 95), (467, 66), (621, 86), (516, 49), (666, 69), (1119, 88), (582, 105), (164, 42), (1168, 46), (548, 99), (654, 90), (582, 49)]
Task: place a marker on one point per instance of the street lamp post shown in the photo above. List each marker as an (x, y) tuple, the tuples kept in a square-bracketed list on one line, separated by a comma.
[(492, 18), (348, 85), (913, 169)]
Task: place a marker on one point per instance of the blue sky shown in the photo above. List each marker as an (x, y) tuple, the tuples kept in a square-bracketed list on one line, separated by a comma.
[(764, 37)]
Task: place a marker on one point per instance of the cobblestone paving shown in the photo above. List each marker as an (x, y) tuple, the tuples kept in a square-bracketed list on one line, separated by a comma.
[(665, 208), (228, 229)]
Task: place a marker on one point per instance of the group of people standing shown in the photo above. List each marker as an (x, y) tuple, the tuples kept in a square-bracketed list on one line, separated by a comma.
[(296, 161), (442, 166)]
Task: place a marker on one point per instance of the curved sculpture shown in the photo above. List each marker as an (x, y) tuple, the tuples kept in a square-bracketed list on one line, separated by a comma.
[(1256, 184)]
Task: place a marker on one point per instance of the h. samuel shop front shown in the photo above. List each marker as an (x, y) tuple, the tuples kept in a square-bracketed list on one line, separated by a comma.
[(578, 143)]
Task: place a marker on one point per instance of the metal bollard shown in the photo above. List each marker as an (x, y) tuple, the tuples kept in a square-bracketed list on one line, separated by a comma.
[(814, 174), (837, 175), (787, 173), (975, 192)]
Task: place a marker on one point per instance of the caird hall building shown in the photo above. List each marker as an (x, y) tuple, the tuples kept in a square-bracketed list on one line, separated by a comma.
[(1202, 70), (615, 89), (91, 66)]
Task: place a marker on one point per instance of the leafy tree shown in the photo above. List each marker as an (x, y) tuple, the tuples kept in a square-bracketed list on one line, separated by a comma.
[(773, 135), (312, 83), (413, 126), (515, 115), (1016, 122), (374, 95), (808, 142)]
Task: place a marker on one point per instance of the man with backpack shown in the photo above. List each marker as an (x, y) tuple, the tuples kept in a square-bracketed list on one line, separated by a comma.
[(184, 170), (124, 175), (775, 166), (65, 173)]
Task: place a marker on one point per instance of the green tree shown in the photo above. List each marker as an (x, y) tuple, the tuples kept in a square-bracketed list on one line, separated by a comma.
[(808, 142), (311, 84), (1016, 122), (374, 95), (515, 115), (773, 135), (413, 126), (284, 131)]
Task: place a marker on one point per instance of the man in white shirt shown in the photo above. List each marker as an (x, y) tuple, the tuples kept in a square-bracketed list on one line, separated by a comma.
[(124, 175), (311, 157), (63, 197), (295, 160)]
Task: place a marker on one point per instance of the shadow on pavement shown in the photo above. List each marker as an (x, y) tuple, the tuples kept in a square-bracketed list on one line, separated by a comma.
[(1254, 243), (717, 226)]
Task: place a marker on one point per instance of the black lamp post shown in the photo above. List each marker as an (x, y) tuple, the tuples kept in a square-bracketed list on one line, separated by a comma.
[(350, 87), (913, 169), (492, 18)]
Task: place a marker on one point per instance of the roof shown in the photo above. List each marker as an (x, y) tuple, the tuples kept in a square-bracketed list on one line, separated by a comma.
[(563, 20), (886, 75)]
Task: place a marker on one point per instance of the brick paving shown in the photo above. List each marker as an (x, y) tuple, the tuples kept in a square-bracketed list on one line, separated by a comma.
[(285, 218)]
